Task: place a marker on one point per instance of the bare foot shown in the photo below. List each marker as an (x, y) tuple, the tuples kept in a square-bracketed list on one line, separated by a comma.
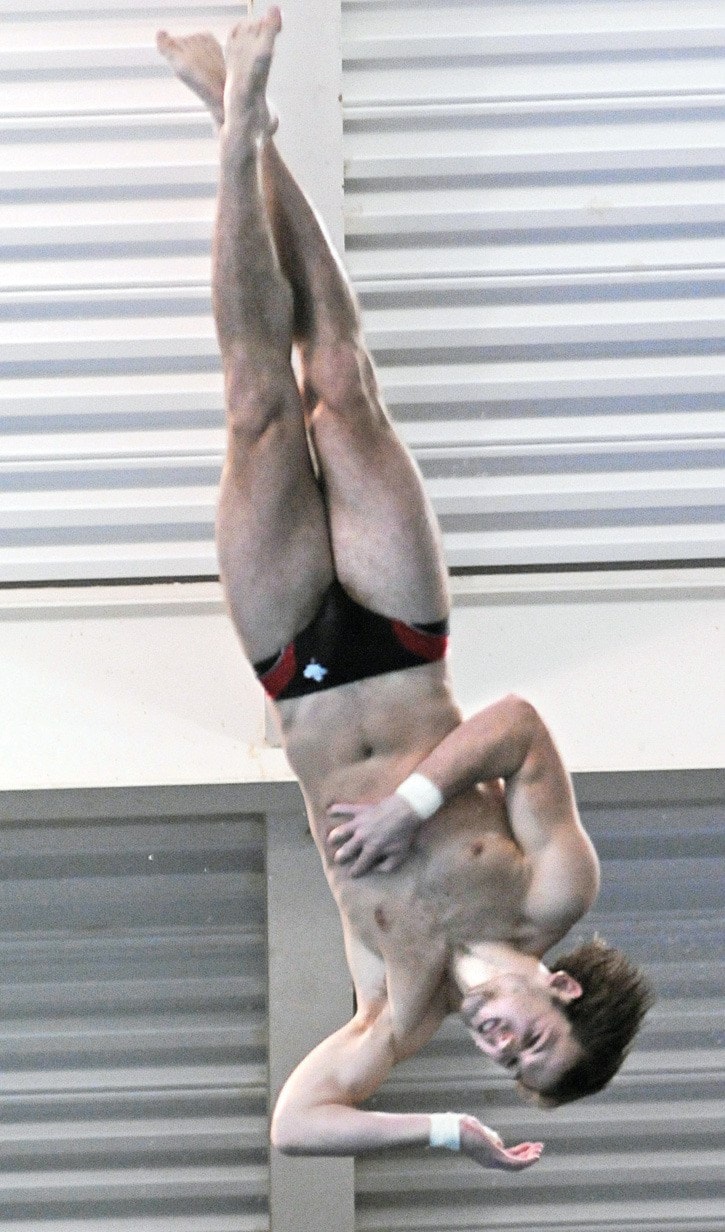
[(249, 57), (199, 62)]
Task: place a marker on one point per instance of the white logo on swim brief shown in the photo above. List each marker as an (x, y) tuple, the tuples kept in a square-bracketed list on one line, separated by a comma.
[(315, 671)]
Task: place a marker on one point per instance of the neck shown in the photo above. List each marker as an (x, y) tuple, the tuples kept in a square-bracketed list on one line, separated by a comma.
[(478, 964)]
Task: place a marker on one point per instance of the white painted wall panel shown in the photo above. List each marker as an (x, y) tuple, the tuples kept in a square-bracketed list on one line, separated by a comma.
[(145, 685)]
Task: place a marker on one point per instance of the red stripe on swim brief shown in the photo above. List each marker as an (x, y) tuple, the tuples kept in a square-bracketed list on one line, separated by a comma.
[(428, 646), (275, 681)]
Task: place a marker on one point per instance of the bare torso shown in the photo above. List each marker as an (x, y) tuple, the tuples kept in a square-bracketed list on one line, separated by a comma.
[(465, 880)]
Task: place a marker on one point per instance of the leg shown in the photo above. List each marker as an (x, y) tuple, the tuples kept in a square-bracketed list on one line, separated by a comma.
[(272, 535), (385, 540)]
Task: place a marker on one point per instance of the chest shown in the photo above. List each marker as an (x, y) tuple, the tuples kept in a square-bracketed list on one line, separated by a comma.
[(476, 882), (469, 887)]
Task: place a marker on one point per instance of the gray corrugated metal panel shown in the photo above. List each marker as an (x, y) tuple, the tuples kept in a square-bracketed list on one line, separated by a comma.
[(667, 1212), (105, 874), (175, 962), (147, 1223), (631, 1156), (134, 1037), (132, 1140)]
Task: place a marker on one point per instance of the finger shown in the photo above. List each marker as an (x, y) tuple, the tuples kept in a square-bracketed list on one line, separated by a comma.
[(348, 851), (340, 810), (388, 864), (340, 833), (523, 1156), (363, 864)]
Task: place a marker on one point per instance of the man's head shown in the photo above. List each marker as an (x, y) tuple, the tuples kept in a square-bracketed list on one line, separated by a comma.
[(564, 1032), (604, 1019)]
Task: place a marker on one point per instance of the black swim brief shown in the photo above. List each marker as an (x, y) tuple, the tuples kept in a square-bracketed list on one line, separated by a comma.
[(345, 642)]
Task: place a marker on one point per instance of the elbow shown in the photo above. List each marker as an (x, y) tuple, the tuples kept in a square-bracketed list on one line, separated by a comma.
[(523, 719), (286, 1132), (521, 711)]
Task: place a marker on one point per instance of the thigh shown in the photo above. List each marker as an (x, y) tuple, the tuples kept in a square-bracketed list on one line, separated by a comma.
[(385, 537), (272, 536)]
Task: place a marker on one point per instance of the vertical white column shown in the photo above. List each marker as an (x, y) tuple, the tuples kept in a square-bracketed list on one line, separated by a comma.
[(306, 88)]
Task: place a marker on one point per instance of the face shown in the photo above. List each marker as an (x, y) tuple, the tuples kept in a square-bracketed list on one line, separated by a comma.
[(522, 1027)]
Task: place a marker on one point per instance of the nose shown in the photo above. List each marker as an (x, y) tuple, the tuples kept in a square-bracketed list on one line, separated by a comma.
[(502, 1041)]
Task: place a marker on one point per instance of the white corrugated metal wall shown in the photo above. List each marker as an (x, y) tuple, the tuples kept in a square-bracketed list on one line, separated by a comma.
[(534, 211), (533, 223), (110, 391)]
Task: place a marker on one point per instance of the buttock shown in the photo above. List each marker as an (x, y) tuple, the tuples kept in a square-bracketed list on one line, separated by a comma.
[(345, 642)]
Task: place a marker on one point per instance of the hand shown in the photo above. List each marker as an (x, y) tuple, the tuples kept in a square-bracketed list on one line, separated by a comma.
[(486, 1147), (375, 836)]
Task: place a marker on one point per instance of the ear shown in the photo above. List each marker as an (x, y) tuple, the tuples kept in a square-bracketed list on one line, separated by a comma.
[(564, 986)]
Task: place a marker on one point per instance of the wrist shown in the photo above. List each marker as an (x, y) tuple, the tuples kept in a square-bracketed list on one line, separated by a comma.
[(422, 795), (445, 1130)]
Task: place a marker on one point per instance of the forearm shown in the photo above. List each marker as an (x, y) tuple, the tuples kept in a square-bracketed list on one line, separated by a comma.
[(318, 1111), (337, 1129), (493, 744)]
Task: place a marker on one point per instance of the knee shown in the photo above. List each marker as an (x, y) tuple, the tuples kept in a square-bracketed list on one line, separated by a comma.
[(256, 399), (343, 377)]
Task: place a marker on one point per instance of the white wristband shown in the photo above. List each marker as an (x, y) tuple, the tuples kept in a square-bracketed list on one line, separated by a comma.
[(421, 794), (445, 1130)]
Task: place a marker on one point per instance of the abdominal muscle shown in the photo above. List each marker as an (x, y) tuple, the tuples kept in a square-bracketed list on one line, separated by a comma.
[(464, 879)]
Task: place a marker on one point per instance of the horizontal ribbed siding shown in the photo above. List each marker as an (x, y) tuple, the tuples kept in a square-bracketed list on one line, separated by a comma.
[(535, 227), (133, 1039), (534, 223), (646, 1152), (110, 391)]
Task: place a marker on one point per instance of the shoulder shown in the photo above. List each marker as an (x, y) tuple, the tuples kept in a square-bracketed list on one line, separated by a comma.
[(564, 881)]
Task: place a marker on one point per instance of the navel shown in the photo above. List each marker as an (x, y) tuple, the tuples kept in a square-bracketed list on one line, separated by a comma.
[(477, 848), (381, 919)]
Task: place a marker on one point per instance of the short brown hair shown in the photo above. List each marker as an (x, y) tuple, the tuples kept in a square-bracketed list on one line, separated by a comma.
[(604, 1020)]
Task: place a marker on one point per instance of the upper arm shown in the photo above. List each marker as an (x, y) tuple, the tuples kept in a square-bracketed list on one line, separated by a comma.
[(545, 822)]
